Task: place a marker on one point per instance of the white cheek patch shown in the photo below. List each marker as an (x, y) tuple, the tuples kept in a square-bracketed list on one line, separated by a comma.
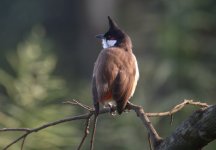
[(104, 43), (111, 43), (108, 43)]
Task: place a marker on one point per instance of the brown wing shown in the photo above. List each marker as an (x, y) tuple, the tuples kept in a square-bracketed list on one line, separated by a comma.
[(122, 89), (95, 95), (104, 73)]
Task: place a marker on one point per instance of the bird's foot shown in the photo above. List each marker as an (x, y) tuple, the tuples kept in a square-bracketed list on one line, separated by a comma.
[(128, 107), (112, 108)]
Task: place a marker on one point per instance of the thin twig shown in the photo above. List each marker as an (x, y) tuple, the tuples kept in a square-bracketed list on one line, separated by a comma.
[(93, 132), (171, 119), (75, 102), (177, 108), (15, 141), (86, 132), (23, 142), (29, 131), (149, 141)]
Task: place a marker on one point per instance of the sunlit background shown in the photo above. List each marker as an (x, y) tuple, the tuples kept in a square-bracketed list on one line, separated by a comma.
[(48, 49)]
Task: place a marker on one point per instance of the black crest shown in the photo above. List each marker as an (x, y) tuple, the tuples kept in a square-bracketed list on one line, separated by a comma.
[(112, 23)]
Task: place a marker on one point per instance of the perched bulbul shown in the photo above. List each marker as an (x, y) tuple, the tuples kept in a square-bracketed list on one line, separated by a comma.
[(116, 71)]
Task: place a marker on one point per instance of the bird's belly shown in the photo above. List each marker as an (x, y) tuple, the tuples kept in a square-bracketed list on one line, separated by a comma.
[(106, 97), (135, 79)]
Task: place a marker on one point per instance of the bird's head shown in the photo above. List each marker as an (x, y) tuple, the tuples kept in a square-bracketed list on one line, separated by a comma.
[(115, 37)]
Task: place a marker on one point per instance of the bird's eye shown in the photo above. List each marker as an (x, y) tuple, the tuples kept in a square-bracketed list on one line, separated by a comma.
[(111, 37)]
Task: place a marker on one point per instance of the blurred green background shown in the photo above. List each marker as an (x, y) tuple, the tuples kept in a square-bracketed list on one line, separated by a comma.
[(47, 53)]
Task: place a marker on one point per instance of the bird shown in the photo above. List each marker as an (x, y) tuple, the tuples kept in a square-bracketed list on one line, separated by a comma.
[(115, 72)]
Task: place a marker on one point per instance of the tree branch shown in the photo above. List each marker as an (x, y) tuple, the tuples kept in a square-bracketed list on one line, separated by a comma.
[(177, 108), (154, 136), (194, 133), (86, 132), (29, 131)]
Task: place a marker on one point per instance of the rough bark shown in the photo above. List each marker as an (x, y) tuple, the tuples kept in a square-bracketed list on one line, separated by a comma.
[(194, 133)]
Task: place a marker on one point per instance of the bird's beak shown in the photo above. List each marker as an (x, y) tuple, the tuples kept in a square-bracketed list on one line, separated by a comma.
[(100, 36)]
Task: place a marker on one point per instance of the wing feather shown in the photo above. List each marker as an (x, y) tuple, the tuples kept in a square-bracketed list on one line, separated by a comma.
[(122, 89)]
